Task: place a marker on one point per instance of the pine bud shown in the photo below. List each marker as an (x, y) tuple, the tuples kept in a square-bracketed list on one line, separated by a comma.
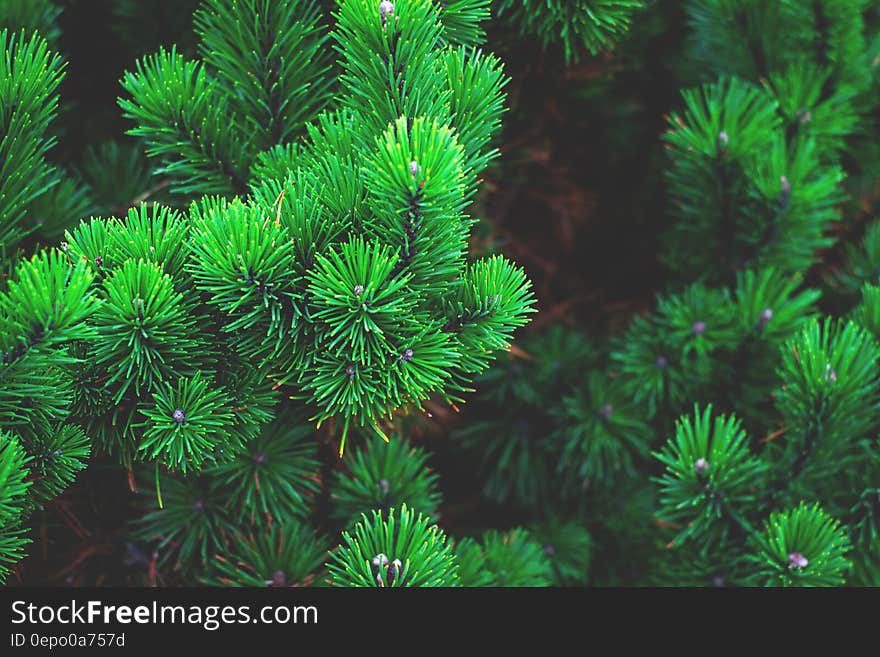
[(380, 560), (414, 168), (698, 327), (785, 194), (394, 571), (830, 375), (701, 467), (407, 356), (786, 186), (384, 486), (723, 139), (379, 581), (178, 416), (661, 363), (278, 579), (350, 371), (385, 8), (550, 551), (797, 560), (606, 411), (765, 316), (358, 289), (717, 581)]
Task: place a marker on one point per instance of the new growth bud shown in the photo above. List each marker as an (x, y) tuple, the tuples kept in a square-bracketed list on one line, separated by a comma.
[(723, 139), (786, 186), (414, 168), (797, 560), (698, 327), (785, 194), (701, 467), (393, 572), (178, 416), (385, 8), (765, 316), (830, 374)]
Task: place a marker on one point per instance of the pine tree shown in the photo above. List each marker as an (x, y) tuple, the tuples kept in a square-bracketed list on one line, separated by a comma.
[(579, 25), (759, 162), (397, 549), (322, 258), (265, 300)]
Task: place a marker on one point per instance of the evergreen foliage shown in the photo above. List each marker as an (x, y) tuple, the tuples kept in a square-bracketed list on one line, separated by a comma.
[(288, 253), (399, 548), (32, 16), (578, 25), (760, 411), (343, 274), (382, 476), (44, 309), (803, 547), (744, 190), (568, 547), (287, 555), (513, 558), (29, 77), (312, 259)]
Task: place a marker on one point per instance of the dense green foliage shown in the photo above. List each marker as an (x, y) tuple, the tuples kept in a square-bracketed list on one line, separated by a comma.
[(322, 255), (291, 249), (571, 24), (770, 480)]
